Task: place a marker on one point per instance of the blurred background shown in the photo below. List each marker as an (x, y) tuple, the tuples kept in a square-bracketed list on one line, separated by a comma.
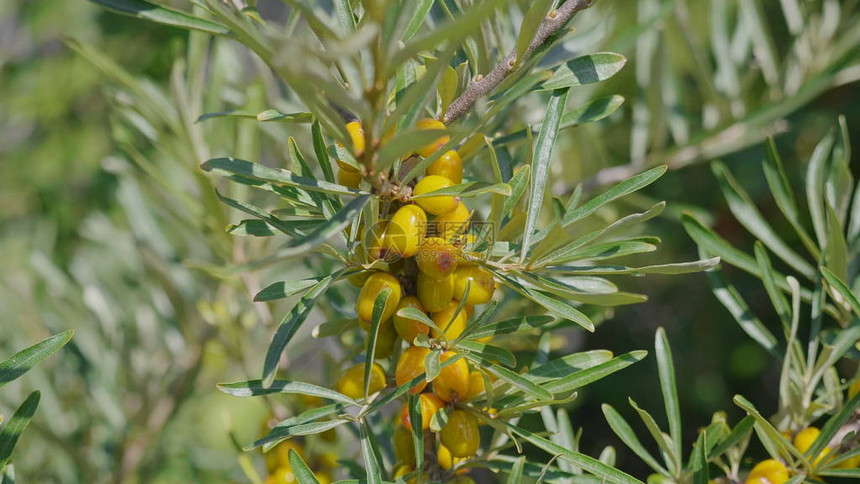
[(108, 228)]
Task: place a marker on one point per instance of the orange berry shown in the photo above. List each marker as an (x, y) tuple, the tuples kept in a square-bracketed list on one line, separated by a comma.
[(409, 329), (447, 322), (453, 380), (410, 365), (429, 403), (461, 435), (476, 385)]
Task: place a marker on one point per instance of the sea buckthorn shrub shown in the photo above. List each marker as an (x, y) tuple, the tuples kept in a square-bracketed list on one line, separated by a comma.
[(422, 204)]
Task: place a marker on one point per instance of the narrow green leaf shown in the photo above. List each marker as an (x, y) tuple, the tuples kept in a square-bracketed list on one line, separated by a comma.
[(540, 164), (743, 208), (568, 364), (255, 388), (815, 180), (375, 322), (515, 325), (416, 419), (669, 388), (369, 453), (515, 476), (774, 438), (584, 462), (12, 430), (777, 181), (579, 379), (663, 441), (289, 326), (275, 115), (161, 15), (587, 69), (518, 381), (519, 182), (550, 303), (626, 187), (254, 171), (738, 434), (26, 359), (282, 433), (469, 189), (672, 269), (283, 289), (301, 470), (624, 432), (419, 14), (432, 365), (488, 352), (843, 290)]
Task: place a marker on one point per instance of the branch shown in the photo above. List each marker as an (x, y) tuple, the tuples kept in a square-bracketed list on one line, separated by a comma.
[(484, 84)]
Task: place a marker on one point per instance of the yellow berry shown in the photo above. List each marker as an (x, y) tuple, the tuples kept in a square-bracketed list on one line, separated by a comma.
[(435, 294), (410, 365), (405, 231), (850, 463), (460, 434), (453, 380), (371, 290), (404, 448), (447, 322), (768, 471), (436, 258), (356, 134), (430, 404), (386, 341), (323, 477), (854, 389), (439, 204), (407, 328), (351, 382), (444, 458), (804, 439), (452, 225), (481, 284), (350, 179), (448, 165), (428, 124), (282, 475), (476, 385), (374, 240)]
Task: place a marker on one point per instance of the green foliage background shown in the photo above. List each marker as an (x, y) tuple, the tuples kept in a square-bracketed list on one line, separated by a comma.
[(67, 234)]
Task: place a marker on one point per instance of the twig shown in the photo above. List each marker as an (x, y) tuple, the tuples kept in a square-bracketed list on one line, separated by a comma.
[(484, 84)]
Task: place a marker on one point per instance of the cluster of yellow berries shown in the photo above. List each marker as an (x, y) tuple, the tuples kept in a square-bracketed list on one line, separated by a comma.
[(772, 471), (281, 471), (421, 243)]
